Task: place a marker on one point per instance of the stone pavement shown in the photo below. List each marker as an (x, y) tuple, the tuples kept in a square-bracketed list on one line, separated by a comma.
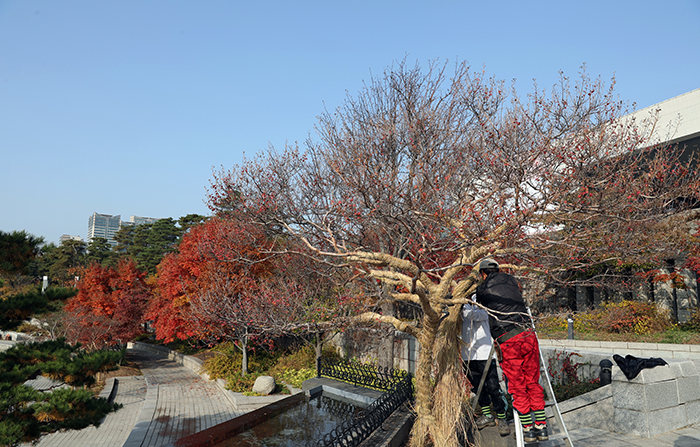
[(165, 404), (592, 437)]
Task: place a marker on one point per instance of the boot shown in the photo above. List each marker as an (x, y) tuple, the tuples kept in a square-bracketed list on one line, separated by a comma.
[(541, 432), (529, 434), (485, 421), (503, 428)]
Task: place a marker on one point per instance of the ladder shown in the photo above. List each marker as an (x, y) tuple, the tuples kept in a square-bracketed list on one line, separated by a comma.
[(550, 402)]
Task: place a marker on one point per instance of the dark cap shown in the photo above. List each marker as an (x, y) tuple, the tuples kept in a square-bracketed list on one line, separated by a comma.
[(488, 263)]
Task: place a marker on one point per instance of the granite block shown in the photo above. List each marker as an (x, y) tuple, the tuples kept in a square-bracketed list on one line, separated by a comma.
[(650, 424), (676, 368), (645, 397), (688, 389), (612, 345), (665, 354), (586, 399), (692, 411), (597, 415), (587, 344), (643, 346), (688, 368), (673, 347), (648, 375)]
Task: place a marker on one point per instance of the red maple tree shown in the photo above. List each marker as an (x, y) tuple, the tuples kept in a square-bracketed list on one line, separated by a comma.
[(109, 306), (215, 256)]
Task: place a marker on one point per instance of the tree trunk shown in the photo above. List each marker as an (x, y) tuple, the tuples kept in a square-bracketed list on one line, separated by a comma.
[(243, 340), (318, 346), (425, 423)]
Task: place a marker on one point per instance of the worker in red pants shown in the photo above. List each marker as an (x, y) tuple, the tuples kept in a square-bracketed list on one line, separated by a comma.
[(512, 329)]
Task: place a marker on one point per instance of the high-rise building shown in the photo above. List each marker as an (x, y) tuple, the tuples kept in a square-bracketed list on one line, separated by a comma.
[(138, 220), (68, 237), (103, 225), (106, 225)]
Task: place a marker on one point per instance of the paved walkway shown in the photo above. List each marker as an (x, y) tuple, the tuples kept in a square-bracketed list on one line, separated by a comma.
[(591, 437), (165, 404)]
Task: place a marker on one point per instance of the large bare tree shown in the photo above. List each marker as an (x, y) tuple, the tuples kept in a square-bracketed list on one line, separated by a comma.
[(426, 171)]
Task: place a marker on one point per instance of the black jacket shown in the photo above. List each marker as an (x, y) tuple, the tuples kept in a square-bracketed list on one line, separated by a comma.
[(500, 293)]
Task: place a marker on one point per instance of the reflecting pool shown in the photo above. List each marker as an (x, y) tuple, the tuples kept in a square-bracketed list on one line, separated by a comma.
[(298, 426)]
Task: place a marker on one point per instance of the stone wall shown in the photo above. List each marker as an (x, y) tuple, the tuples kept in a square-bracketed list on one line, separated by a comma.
[(358, 344), (658, 400)]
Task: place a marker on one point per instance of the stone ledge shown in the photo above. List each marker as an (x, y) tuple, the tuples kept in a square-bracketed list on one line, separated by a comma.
[(358, 395), (664, 350), (393, 431), (590, 410), (109, 389)]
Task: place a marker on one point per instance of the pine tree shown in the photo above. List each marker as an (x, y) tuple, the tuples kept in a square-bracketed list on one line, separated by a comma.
[(26, 413)]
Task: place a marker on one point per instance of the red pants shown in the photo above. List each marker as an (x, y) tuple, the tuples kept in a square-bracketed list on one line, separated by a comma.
[(521, 366)]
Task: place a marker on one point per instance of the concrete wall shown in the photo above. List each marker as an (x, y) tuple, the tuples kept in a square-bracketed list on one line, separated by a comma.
[(658, 400), (359, 344)]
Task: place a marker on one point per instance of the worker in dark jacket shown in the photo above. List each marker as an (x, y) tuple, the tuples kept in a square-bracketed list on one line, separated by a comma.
[(511, 328)]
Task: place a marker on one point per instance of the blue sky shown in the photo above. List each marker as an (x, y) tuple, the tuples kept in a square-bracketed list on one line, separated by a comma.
[(124, 107)]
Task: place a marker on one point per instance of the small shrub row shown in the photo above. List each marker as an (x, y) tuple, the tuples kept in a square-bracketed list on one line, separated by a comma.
[(564, 375), (624, 317)]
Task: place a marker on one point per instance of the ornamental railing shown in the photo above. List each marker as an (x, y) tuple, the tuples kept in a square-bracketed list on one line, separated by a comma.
[(368, 376), (396, 384)]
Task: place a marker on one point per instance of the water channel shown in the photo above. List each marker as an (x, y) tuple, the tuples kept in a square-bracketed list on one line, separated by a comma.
[(298, 426)]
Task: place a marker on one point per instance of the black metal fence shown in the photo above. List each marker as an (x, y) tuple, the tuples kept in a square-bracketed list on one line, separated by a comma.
[(368, 376), (396, 384)]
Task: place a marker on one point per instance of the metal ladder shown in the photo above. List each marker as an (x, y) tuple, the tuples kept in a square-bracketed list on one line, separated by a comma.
[(550, 402)]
